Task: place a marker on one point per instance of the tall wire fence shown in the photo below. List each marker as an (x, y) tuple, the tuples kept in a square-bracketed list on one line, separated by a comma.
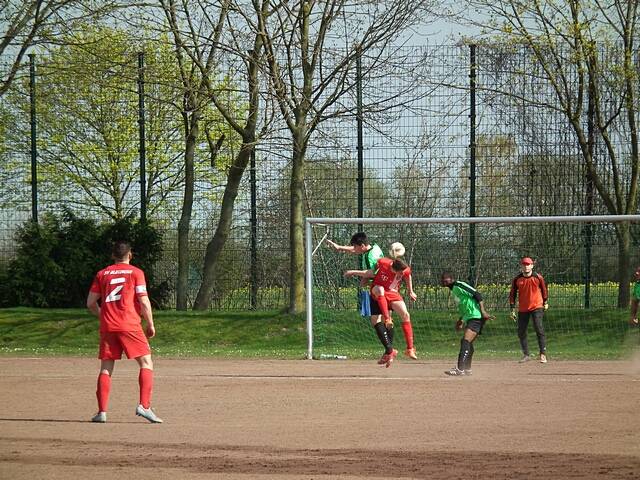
[(451, 130)]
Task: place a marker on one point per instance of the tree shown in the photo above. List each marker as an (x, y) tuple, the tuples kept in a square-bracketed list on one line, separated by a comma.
[(87, 108), (30, 23), (311, 73), (204, 35), (585, 54)]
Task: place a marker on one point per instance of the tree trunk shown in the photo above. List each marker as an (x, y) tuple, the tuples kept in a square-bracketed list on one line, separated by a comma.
[(296, 228), (216, 244), (623, 232), (185, 217)]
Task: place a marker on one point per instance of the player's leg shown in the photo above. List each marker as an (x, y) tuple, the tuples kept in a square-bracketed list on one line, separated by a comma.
[(378, 293), (400, 307), (110, 350), (523, 324), (474, 328), (145, 380), (466, 349), (539, 328), (136, 346), (103, 389), (382, 333)]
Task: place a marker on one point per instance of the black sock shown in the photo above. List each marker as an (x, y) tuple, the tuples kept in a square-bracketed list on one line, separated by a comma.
[(383, 335), (463, 356), (470, 357)]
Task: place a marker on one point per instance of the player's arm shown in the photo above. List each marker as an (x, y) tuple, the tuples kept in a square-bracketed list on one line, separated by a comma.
[(544, 291), (478, 298), (92, 303), (512, 299), (484, 312), (408, 280), (360, 273), (634, 311), (147, 314), (340, 248)]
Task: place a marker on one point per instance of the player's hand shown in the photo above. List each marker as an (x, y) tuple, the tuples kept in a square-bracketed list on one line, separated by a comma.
[(513, 315), (413, 296), (150, 331), (332, 245), (459, 325), (633, 321), (545, 306), (488, 317), (348, 274)]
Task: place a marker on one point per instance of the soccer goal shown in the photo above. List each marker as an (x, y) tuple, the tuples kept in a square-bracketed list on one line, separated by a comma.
[(588, 272)]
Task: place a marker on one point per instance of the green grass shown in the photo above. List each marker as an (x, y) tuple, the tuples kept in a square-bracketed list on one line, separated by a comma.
[(571, 334), (602, 334), (29, 331)]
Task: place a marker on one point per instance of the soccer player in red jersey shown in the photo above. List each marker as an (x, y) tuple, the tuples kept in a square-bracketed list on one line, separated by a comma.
[(122, 291), (531, 290), (386, 281)]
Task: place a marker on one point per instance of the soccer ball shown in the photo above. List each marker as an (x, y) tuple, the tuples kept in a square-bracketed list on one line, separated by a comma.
[(396, 250)]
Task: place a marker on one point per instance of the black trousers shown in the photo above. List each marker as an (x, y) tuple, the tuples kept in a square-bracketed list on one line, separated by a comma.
[(523, 324)]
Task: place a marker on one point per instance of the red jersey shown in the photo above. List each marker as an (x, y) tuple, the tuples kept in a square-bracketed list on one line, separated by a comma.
[(119, 287), (386, 277), (531, 292)]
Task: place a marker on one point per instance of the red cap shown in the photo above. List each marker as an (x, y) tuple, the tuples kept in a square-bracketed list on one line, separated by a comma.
[(526, 261)]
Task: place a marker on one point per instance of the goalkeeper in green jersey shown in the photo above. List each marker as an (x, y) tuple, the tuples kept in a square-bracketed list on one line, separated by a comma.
[(472, 318), (635, 299)]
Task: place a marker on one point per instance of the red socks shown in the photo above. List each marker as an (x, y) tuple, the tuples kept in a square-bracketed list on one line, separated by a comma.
[(384, 306), (408, 333), (145, 380), (103, 390)]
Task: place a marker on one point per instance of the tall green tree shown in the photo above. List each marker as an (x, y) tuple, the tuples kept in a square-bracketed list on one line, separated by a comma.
[(585, 53), (310, 73), (31, 23), (87, 115)]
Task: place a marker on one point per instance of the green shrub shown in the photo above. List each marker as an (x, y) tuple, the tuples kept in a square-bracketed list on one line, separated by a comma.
[(57, 258)]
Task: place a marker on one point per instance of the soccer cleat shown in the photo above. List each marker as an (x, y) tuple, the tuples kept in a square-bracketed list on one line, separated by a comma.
[(455, 372), (524, 359), (411, 353), (543, 358), (391, 357), (148, 413), (100, 417), (383, 359)]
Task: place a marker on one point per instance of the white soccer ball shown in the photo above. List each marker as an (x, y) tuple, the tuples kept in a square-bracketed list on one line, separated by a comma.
[(396, 250)]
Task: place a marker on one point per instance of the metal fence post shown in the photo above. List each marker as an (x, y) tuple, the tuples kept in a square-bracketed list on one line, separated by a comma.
[(588, 228), (472, 164), (141, 131), (253, 293), (34, 146), (360, 146)]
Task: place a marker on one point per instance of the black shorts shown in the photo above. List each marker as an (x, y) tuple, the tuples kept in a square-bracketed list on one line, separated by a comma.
[(375, 308), (475, 325)]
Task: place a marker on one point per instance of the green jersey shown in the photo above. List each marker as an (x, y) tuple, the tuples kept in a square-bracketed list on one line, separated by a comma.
[(369, 259), (636, 291), (468, 299)]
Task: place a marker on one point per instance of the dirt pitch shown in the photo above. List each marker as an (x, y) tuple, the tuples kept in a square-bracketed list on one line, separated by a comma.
[(302, 419)]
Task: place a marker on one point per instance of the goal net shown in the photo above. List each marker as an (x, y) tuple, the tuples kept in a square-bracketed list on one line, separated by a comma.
[(588, 274)]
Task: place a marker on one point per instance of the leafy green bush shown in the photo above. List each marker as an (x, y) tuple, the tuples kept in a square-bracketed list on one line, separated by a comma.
[(57, 258)]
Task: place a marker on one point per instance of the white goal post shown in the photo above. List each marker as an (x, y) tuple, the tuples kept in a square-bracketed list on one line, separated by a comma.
[(310, 248)]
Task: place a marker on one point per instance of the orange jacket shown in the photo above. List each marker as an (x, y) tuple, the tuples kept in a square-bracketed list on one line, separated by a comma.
[(531, 292)]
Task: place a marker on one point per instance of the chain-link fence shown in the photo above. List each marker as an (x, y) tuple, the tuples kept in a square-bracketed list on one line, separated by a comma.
[(452, 130)]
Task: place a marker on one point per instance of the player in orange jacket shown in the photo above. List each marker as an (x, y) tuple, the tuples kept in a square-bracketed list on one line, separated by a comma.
[(531, 291)]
